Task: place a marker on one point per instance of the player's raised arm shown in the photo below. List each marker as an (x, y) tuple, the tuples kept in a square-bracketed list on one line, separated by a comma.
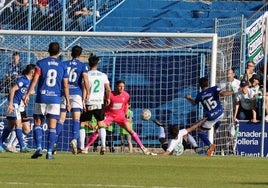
[(190, 99)]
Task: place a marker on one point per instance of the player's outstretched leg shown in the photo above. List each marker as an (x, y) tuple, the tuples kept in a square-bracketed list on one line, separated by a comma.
[(136, 138), (91, 140)]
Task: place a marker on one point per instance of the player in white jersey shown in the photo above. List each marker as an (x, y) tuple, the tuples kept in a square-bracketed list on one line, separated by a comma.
[(99, 97), (78, 78), (51, 78), (175, 144)]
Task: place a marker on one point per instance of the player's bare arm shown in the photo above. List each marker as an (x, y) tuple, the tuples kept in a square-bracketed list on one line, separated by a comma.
[(190, 99), (226, 93), (86, 88), (66, 94), (31, 87), (196, 125), (107, 93), (12, 91)]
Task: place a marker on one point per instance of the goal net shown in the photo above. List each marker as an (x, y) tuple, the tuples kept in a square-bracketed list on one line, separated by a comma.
[(159, 70)]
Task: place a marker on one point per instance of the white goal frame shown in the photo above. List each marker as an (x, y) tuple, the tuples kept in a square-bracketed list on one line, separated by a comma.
[(212, 36)]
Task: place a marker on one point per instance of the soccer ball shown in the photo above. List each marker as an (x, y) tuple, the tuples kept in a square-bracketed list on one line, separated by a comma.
[(146, 114)]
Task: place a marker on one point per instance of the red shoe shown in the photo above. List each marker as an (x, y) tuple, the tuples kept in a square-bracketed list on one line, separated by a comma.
[(211, 150)]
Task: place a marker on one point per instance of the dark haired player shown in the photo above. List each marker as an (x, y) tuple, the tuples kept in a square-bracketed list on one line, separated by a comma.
[(14, 113), (51, 78), (213, 110), (78, 79)]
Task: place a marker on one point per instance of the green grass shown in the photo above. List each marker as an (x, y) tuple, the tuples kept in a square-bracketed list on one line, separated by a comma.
[(132, 171)]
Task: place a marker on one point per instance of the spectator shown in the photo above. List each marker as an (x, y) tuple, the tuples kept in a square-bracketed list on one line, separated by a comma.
[(41, 6), (257, 90), (54, 20), (77, 14), (13, 71), (230, 84), (245, 103), (21, 12), (249, 72)]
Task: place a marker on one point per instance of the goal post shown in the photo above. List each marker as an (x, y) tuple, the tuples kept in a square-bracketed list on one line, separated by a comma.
[(159, 70)]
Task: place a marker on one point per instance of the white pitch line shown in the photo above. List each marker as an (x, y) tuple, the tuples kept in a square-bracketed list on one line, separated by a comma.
[(81, 185)]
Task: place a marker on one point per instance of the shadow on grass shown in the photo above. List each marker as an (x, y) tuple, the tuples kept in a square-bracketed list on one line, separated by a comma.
[(254, 183)]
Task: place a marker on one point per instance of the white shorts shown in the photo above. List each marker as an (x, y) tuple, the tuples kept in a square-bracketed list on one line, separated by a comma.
[(15, 114), (75, 102), (45, 109), (209, 124)]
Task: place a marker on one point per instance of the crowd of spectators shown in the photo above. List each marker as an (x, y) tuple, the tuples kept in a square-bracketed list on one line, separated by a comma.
[(49, 14), (248, 93)]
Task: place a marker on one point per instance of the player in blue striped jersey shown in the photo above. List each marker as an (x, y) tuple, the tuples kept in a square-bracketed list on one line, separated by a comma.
[(213, 110), (51, 78), (78, 78), (14, 111)]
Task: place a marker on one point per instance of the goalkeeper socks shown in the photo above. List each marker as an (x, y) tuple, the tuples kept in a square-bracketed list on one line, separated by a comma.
[(203, 136), (82, 137), (137, 139), (20, 137), (76, 128), (102, 134), (58, 130), (92, 139), (38, 135), (51, 139)]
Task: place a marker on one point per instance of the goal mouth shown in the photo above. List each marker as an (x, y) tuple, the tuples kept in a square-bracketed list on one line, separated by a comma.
[(159, 70)]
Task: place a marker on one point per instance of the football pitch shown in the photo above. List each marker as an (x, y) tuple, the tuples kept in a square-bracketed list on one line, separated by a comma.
[(132, 171)]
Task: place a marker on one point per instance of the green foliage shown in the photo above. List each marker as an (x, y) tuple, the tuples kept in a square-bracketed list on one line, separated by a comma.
[(131, 170)]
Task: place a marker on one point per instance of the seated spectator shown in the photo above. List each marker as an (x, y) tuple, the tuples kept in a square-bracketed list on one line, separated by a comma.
[(245, 104), (77, 14)]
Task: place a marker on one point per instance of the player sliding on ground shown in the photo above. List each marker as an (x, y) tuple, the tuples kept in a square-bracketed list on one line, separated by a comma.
[(175, 144), (213, 110)]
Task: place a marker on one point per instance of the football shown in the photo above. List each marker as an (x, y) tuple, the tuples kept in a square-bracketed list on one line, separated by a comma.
[(146, 114)]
